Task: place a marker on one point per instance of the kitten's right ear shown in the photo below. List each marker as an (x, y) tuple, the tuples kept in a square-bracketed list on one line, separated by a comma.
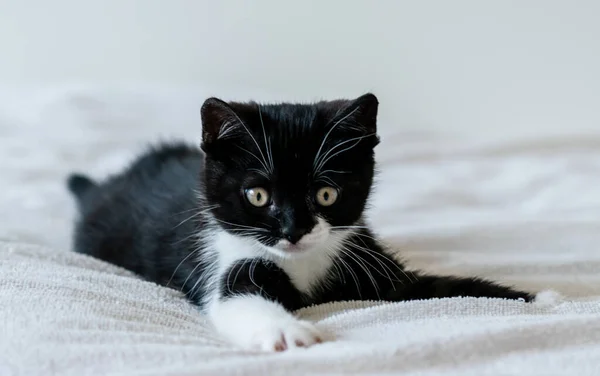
[(218, 120)]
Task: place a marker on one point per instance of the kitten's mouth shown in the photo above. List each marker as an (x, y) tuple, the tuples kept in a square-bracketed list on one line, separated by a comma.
[(287, 246), (294, 248)]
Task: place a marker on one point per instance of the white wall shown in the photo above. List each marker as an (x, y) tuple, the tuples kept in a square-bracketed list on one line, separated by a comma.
[(491, 66)]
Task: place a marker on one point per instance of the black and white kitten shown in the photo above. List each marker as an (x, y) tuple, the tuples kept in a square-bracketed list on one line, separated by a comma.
[(266, 219)]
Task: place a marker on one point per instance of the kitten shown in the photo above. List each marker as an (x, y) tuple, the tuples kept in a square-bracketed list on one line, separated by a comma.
[(266, 219)]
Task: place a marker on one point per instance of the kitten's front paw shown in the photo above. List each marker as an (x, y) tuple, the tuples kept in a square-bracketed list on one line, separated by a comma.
[(279, 335), (254, 323)]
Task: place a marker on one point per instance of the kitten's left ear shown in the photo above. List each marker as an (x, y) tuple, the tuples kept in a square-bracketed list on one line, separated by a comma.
[(359, 114), (366, 113), (219, 120)]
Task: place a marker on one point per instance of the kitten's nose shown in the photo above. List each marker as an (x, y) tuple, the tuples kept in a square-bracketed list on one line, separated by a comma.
[(293, 234)]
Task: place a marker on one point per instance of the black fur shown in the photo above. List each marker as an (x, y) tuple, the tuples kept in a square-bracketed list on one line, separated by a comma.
[(156, 217)]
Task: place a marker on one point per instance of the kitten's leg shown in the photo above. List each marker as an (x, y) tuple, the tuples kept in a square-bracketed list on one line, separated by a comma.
[(253, 309), (426, 287)]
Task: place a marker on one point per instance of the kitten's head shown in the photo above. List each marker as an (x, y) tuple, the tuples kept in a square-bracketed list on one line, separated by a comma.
[(293, 177)]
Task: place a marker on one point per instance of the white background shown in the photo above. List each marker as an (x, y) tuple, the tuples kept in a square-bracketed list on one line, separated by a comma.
[(485, 67)]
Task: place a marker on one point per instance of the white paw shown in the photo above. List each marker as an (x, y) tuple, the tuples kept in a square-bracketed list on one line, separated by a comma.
[(253, 323), (279, 336)]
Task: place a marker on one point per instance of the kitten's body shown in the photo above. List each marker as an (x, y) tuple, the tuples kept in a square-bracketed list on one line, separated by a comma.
[(179, 217)]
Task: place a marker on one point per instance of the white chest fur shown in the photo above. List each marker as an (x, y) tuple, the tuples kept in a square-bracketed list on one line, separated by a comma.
[(305, 271)]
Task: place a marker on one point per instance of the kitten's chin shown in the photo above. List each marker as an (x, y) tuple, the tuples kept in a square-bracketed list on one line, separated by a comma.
[(298, 248), (287, 250)]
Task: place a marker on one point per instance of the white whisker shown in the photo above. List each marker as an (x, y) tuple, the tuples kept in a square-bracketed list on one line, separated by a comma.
[(200, 212), (255, 156), (352, 274), (327, 135), (384, 267), (334, 258), (386, 258), (236, 274), (189, 275), (328, 181), (259, 172), (361, 263), (326, 158), (334, 172), (267, 144), (178, 266), (253, 139), (185, 211), (241, 226), (348, 227), (251, 273)]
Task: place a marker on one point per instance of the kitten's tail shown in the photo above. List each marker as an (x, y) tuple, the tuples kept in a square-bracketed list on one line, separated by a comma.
[(79, 184)]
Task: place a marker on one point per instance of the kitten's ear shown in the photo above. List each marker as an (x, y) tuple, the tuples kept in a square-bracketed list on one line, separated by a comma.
[(359, 114), (219, 120)]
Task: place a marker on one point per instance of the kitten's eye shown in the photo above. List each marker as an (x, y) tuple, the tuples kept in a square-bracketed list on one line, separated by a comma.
[(258, 197), (327, 196)]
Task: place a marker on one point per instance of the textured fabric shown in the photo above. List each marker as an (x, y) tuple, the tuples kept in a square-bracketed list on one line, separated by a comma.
[(68, 314), (525, 212)]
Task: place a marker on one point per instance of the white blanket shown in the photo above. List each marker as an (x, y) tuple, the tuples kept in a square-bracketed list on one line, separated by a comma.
[(523, 212), (67, 314)]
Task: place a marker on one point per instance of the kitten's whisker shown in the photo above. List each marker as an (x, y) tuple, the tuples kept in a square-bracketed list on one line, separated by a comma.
[(362, 235), (334, 171), (255, 156), (318, 174), (195, 214), (236, 274), (317, 156), (261, 172), (385, 258), (251, 273), (247, 230), (331, 255), (240, 226), (185, 238), (271, 153), (227, 284), (187, 219), (388, 259), (327, 180), (189, 275), (338, 271), (253, 139), (336, 146), (345, 227), (182, 212), (182, 261), (352, 274), (384, 267), (361, 263), (326, 157), (196, 287), (267, 144)]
